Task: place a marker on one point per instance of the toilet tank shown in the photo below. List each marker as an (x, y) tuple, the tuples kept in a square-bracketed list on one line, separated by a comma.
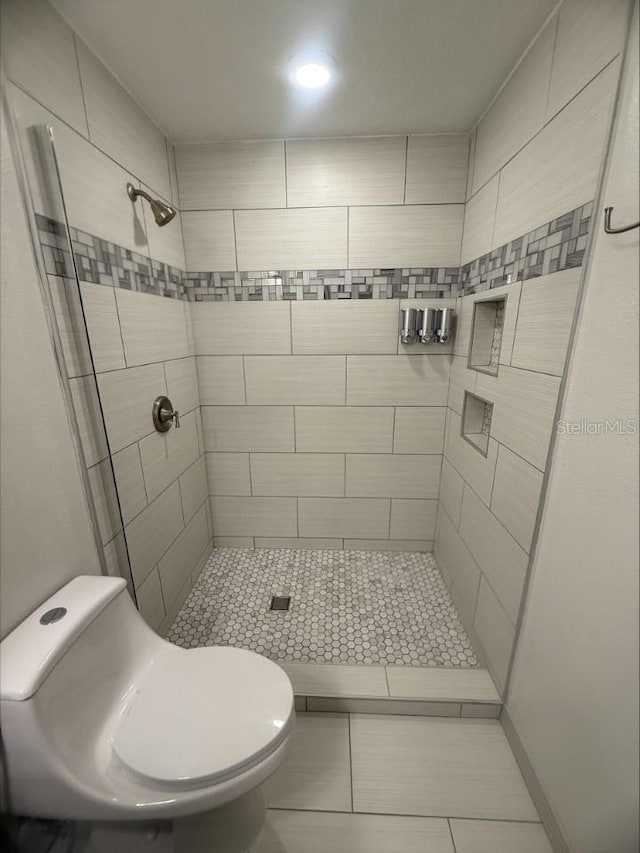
[(65, 674)]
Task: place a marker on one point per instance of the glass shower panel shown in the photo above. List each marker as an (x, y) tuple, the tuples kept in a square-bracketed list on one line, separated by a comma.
[(51, 236)]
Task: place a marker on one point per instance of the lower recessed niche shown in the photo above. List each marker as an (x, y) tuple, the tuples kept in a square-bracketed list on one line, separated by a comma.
[(486, 338), (476, 421)]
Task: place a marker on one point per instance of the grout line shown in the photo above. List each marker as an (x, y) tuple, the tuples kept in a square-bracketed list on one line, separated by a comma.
[(286, 179), (235, 239), (453, 841), (406, 166), (84, 100), (350, 759)]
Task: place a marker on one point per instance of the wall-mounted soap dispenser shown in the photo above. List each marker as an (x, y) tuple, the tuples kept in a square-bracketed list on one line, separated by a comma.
[(444, 325), (408, 325), (426, 325), (427, 318)]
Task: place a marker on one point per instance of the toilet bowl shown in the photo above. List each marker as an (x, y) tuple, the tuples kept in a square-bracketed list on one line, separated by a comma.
[(104, 721)]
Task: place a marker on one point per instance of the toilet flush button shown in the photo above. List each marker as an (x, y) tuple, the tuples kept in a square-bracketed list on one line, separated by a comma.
[(53, 615)]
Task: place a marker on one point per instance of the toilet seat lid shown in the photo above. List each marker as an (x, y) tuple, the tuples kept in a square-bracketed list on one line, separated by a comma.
[(204, 715)]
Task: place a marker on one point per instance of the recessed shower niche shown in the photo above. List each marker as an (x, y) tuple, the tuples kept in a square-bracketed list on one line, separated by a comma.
[(476, 421), (486, 335)]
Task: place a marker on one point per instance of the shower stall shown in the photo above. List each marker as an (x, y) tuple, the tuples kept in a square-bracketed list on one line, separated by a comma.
[(273, 455)]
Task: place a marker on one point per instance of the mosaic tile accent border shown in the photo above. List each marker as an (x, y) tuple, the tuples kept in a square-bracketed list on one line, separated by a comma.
[(102, 262), (557, 245), (266, 286)]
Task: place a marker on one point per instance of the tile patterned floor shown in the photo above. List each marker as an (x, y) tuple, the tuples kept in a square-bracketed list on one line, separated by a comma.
[(354, 783), (351, 607)]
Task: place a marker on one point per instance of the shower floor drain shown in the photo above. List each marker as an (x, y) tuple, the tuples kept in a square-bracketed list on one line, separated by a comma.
[(280, 602)]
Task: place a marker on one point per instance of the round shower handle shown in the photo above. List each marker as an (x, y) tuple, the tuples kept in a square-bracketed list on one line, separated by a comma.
[(164, 415)]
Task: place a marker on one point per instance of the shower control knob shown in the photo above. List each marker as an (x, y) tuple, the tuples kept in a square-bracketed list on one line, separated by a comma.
[(164, 415)]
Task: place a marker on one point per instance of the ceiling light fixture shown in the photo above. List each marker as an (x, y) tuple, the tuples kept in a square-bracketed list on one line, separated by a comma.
[(312, 71)]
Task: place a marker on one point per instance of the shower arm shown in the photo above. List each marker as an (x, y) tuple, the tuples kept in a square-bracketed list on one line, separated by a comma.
[(133, 193)]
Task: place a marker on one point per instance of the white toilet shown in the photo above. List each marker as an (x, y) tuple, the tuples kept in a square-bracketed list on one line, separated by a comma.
[(103, 721)]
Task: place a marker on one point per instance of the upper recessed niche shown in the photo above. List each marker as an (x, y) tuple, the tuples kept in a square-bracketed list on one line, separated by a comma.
[(486, 335)]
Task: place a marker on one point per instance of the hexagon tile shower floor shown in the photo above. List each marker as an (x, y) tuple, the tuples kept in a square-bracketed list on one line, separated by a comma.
[(357, 607)]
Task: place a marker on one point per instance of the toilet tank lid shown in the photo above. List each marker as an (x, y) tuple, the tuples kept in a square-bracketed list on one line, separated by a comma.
[(30, 652)]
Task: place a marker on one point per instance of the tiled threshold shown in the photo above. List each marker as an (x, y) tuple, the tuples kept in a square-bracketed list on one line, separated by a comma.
[(405, 690)]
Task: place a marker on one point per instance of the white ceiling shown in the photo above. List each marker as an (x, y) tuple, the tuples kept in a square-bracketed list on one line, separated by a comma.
[(217, 69)]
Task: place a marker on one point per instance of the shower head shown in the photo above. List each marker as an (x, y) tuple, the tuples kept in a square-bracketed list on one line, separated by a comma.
[(162, 213)]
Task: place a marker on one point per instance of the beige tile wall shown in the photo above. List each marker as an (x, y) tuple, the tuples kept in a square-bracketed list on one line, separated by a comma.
[(323, 203), (535, 154), (324, 444)]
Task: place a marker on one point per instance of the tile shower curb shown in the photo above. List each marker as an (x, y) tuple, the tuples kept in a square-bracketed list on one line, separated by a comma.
[(328, 695)]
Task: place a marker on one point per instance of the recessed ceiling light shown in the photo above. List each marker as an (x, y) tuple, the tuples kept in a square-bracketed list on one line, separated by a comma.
[(312, 75), (312, 71)]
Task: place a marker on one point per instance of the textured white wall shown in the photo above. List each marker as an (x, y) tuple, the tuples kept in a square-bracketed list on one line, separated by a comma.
[(574, 694)]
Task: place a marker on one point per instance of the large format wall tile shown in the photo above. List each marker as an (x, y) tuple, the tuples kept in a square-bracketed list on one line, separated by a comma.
[(450, 494), (166, 455), (366, 518), (462, 379), (118, 126), (236, 328), (258, 428), (360, 170), (419, 429), (599, 25), (94, 186), (402, 380), (518, 112), (39, 54), (301, 238), (221, 380), (182, 384), (152, 329), (502, 561), (475, 469), (209, 240), (127, 397), (456, 561), (90, 425), (194, 487), (298, 474), (345, 326), (238, 516), (153, 530), (437, 169), (516, 493), (479, 221), (228, 473), (183, 555), (558, 170), (101, 315), (392, 475), (547, 306), (523, 412), (495, 632), (226, 175), (413, 519), (292, 379), (132, 493), (405, 236), (149, 600), (343, 429)]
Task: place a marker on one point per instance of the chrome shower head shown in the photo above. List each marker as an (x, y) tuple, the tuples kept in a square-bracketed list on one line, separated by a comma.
[(162, 213)]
